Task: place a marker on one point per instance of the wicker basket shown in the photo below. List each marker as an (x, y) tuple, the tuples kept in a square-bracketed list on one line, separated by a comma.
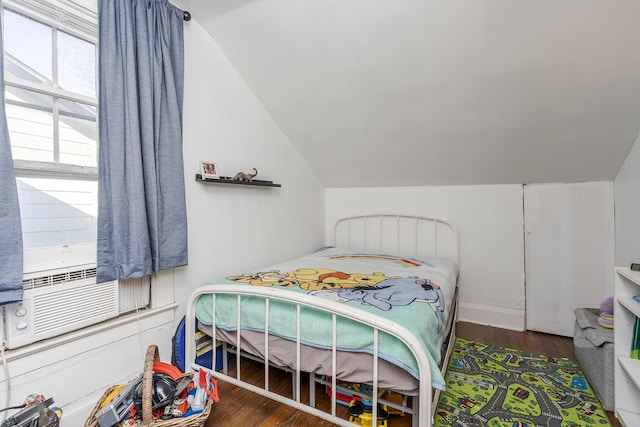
[(196, 420)]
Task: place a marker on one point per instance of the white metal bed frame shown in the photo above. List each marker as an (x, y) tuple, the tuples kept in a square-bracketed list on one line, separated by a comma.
[(357, 232)]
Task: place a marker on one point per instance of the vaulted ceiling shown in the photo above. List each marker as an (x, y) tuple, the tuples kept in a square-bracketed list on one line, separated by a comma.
[(440, 92)]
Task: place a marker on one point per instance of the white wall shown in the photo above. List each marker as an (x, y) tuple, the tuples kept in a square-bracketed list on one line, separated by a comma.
[(627, 209), (234, 228), (231, 229), (490, 219)]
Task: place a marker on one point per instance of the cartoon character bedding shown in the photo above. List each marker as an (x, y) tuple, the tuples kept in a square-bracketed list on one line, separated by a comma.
[(417, 294)]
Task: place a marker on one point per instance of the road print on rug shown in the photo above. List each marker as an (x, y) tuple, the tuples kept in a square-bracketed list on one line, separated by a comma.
[(493, 386)]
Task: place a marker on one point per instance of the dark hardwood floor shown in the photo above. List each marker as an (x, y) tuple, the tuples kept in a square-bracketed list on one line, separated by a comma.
[(239, 407)]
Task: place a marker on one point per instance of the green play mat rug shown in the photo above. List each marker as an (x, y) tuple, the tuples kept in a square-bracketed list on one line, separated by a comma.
[(495, 386)]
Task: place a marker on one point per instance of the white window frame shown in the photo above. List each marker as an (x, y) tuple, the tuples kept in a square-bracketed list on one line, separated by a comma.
[(80, 22)]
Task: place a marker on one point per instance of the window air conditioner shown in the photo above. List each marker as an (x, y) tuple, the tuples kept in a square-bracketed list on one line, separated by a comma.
[(58, 303)]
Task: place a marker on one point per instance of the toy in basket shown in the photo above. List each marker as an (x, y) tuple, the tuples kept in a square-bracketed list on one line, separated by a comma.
[(162, 395)]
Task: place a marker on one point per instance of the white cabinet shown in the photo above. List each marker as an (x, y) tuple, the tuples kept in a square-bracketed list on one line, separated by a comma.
[(627, 370)]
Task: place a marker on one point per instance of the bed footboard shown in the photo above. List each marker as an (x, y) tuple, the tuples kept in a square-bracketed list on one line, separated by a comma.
[(422, 400)]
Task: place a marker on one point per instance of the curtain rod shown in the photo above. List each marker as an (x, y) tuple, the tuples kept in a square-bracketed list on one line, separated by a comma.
[(186, 15)]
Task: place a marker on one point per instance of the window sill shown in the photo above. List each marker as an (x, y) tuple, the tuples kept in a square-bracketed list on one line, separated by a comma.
[(89, 331)]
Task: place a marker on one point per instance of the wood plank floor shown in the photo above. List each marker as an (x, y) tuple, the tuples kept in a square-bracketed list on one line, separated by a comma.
[(241, 408)]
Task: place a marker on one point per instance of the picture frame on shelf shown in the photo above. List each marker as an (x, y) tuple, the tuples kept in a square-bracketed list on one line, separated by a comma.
[(209, 170)]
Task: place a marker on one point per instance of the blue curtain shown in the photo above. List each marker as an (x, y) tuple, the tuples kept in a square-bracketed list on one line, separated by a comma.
[(10, 227), (142, 225)]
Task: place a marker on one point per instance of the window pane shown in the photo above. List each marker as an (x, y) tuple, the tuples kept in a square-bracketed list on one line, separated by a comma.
[(27, 45), (78, 141), (30, 120), (76, 64), (57, 212)]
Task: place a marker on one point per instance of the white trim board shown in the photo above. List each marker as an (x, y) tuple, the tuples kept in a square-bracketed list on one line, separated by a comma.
[(500, 317)]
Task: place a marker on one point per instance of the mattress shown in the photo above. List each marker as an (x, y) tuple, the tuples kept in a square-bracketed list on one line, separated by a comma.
[(417, 294)]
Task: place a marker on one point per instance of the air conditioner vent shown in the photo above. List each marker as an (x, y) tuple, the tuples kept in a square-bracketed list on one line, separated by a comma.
[(83, 305), (58, 279)]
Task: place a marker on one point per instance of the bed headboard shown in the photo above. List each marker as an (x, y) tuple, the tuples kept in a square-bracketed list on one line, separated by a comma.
[(405, 235)]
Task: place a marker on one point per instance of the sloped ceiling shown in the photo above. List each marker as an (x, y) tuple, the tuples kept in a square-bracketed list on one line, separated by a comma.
[(410, 92)]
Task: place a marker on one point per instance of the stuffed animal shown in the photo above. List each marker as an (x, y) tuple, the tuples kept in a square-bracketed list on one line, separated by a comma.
[(606, 313)]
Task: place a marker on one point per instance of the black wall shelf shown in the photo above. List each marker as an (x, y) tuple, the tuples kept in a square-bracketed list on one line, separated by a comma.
[(228, 180)]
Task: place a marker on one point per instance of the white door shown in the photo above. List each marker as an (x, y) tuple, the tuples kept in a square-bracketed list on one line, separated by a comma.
[(569, 252)]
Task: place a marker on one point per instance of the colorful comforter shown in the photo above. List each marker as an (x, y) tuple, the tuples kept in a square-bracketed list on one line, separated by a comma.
[(417, 294)]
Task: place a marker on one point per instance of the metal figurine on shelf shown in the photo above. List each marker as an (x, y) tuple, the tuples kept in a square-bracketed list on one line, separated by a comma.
[(241, 176)]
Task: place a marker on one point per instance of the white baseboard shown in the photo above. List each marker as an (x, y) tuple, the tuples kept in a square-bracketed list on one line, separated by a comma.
[(500, 317)]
